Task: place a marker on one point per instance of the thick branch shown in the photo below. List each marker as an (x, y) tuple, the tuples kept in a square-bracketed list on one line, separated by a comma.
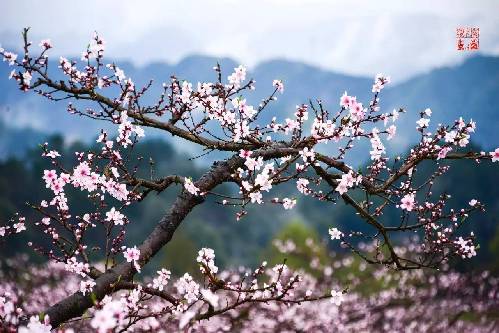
[(76, 304)]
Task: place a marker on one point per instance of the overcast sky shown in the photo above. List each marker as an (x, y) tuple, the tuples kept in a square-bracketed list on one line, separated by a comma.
[(400, 38)]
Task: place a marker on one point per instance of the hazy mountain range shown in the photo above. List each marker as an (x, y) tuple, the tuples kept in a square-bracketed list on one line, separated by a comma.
[(470, 90)]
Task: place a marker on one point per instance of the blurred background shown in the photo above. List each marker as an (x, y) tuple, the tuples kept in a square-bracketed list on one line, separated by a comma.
[(318, 48)]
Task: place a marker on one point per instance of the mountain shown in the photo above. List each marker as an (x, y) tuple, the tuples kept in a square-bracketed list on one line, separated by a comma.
[(470, 90), (14, 142)]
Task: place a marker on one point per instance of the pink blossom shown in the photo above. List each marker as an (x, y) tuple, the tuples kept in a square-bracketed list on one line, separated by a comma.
[(346, 101), (86, 286), (337, 297), (391, 131), (245, 153), (19, 227), (407, 202), (109, 317), (302, 185), (27, 78), (210, 297), (495, 155), (288, 203), (335, 233), (256, 197), (279, 85), (378, 148), (347, 181), (81, 171), (357, 111), (253, 163), (53, 154), (188, 288), (443, 152), (120, 74), (185, 97), (35, 326), (466, 247), (10, 57), (162, 279), (308, 155), (115, 216), (238, 76), (49, 176), (241, 131), (74, 266), (190, 187), (264, 181), (291, 125), (246, 185), (124, 130), (206, 257), (450, 136), (45, 44), (379, 82), (133, 255), (423, 122)]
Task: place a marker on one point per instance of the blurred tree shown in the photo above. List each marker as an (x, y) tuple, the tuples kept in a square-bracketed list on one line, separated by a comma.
[(298, 244)]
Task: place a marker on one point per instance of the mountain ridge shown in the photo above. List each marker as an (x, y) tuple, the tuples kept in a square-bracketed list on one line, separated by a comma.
[(470, 89)]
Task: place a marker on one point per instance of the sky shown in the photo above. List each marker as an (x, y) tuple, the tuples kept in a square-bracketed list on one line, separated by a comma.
[(399, 38)]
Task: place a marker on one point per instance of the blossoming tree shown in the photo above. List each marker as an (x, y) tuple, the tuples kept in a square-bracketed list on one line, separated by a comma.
[(307, 149)]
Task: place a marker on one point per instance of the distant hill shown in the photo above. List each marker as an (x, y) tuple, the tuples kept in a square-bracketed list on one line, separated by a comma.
[(470, 89), (14, 142)]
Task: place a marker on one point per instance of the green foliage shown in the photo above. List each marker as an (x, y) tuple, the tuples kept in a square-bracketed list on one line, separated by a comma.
[(297, 232), (180, 254)]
